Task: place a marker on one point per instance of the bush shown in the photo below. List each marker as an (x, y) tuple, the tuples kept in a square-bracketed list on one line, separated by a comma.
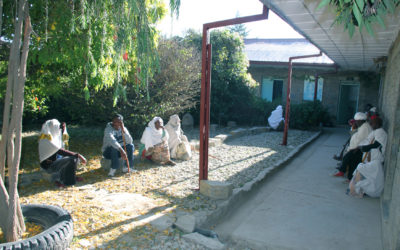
[(308, 115)]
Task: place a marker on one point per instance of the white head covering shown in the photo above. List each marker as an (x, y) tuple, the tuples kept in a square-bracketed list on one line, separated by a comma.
[(152, 136), (50, 140), (360, 116), (373, 109), (175, 133), (276, 117), (174, 122)]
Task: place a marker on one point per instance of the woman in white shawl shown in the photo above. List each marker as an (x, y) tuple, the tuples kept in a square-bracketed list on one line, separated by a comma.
[(154, 143), (275, 120), (178, 143), (54, 159), (368, 178)]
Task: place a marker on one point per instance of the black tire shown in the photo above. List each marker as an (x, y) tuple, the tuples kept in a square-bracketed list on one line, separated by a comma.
[(58, 228)]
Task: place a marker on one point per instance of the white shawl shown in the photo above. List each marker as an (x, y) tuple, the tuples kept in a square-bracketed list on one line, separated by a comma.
[(151, 136), (276, 117), (175, 134), (50, 139)]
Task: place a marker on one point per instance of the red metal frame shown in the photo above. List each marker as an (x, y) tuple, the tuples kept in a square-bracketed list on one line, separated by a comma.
[(287, 110), (322, 74), (206, 84), (316, 86)]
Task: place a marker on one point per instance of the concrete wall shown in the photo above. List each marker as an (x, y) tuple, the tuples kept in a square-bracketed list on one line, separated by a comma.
[(369, 88), (389, 105)]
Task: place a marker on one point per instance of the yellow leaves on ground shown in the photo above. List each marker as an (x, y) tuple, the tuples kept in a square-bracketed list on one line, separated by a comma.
[(32, 229)]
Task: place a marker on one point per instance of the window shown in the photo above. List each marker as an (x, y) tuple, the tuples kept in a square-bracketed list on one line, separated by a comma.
[(309, 85), (271, 89)]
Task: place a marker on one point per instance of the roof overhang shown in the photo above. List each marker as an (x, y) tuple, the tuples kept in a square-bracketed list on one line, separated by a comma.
[(356, 53)]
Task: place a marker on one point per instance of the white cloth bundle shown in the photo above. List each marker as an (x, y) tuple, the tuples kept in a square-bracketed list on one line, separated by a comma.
[(176, 138), (276, 117)]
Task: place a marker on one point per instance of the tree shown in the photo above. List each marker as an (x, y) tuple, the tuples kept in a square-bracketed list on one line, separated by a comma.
[(231, 84), (239, 28), (361, 13), (98, 42)]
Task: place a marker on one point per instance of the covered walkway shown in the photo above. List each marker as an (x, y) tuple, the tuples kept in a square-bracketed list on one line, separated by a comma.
[(303, 207)]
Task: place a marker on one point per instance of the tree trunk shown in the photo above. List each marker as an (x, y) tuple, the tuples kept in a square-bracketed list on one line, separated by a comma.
[(10, 147)]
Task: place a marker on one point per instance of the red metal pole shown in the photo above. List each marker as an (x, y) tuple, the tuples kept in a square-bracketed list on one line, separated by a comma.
[(204, 106), (315, 87), (206, 84), (287, 109)]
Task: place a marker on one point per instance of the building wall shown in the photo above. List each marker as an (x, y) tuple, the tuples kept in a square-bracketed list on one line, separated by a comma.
[(368, 93), (389, 105)]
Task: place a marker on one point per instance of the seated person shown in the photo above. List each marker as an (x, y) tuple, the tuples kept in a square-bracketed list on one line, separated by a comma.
[(353, 130), (154, 143), (353, 154), (115, 135), (368, 178), (54, 159), (275, 120), (178, 143)]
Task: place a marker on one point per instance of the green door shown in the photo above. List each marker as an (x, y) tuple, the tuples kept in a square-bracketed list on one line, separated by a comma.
[(348, 101)]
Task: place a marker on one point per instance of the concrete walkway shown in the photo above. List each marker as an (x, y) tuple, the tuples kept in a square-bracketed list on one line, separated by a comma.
[(303, 207)]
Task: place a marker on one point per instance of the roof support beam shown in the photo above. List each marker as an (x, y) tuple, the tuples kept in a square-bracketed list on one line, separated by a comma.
[(287, 109), (206, 84)]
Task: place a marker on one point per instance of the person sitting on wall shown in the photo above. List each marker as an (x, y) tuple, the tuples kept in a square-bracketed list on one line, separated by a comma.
[(54, 159), (276, 120), (353, 130), (116, 139), (368, 178), (178, 143), (154, 143), (353, 154)]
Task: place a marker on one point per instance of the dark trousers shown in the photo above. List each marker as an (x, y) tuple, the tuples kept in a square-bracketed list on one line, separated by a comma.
[(65, 168), (114, 155), (350, 161)]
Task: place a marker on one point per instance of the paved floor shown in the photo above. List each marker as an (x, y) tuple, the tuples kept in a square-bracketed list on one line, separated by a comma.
[(303, 207)]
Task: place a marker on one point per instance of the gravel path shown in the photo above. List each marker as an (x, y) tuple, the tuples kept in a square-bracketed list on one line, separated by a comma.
[(170, 191)]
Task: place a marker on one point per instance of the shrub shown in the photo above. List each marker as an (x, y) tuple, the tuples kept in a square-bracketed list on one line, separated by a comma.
[(308, 115)]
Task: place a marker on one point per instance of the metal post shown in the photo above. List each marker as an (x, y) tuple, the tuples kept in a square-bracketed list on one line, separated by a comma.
[(287, 109), (315, 87), (206, 84)]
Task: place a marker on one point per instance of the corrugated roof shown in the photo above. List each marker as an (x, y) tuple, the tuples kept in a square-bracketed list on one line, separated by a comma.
[(279, 50), (350, 53)]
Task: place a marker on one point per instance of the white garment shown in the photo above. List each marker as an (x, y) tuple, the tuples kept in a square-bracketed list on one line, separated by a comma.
[(152, 136), (50, 140), (276, 117), (358, 137), (176, 138), (373, 182)]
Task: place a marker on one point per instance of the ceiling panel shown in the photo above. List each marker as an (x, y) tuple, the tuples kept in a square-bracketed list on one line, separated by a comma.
[(356, 53)]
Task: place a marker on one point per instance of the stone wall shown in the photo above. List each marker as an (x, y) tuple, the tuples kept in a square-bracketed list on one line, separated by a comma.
[(330, 96), (389, 105)]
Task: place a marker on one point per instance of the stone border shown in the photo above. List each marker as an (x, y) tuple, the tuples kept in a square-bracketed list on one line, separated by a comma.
[(206, 220)]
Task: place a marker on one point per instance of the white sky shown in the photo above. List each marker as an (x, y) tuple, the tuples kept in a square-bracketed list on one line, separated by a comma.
[(194, 13)]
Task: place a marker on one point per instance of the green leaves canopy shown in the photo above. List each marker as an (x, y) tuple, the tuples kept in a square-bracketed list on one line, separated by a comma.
[(91, 44), (361, 13)]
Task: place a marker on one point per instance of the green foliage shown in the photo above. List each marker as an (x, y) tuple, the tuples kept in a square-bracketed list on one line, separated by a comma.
[(231, 95), (90, 44), (361, 13), (308, 115), (174, 89)]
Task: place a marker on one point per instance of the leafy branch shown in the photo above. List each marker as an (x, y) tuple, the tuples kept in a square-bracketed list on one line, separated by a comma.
[(361, 13)]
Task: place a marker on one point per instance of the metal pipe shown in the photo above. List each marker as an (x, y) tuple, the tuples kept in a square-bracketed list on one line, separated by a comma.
[(316, 87), (287, 109), (206, 84), (323, 74)]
